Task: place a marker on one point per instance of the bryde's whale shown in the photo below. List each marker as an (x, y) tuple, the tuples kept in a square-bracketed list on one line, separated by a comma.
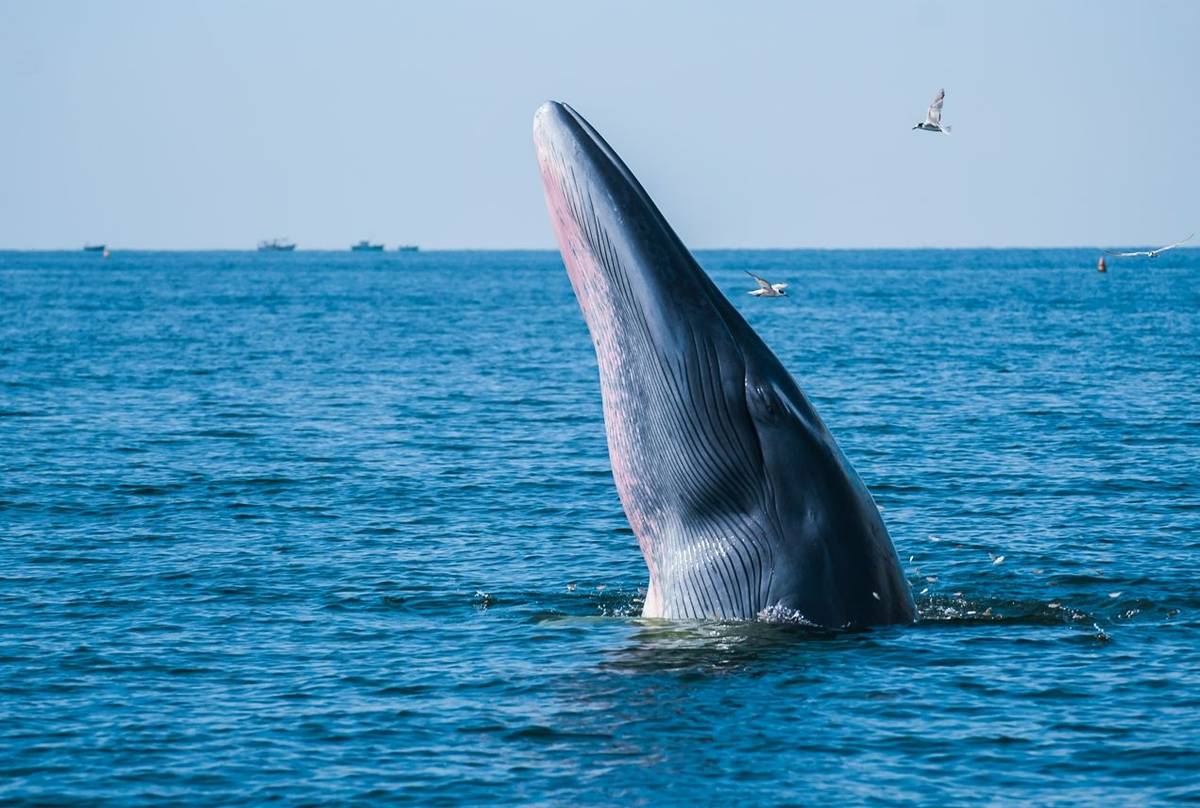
[(741, 500)]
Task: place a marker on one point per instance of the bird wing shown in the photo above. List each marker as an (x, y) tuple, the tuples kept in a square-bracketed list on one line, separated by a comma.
[(1173, 246), (762, 282), (934, 115), (779, 287)]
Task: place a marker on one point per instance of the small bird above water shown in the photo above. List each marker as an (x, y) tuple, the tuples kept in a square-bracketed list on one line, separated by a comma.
[(1149, 253), (766, 288), (933, 118)]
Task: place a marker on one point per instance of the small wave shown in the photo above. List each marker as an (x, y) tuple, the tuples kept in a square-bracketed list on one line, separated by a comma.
[(539, 732), (147, 490), (223, 433), (246, 415)]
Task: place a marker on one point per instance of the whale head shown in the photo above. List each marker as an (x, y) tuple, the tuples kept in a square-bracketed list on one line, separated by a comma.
[(740, 498)]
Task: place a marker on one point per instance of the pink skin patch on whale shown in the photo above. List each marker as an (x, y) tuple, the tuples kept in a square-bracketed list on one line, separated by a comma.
[(617, 381)]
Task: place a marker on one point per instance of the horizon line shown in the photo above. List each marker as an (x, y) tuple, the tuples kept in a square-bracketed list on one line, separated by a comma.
[(555, 249)]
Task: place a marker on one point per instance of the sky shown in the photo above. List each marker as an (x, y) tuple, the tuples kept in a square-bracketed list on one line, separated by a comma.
[(760, 124)]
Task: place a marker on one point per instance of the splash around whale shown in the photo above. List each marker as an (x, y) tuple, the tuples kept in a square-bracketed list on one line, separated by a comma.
[(742, 502)]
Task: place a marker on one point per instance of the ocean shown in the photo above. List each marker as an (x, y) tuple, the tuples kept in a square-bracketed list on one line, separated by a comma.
[(340, 528)]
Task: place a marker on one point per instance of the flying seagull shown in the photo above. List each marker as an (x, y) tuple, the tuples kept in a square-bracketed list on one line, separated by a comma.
[(1149, 253), (933, 118), (766, 288)]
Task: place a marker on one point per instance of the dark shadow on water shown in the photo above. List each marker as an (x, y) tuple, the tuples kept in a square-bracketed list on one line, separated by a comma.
[(707, 648)]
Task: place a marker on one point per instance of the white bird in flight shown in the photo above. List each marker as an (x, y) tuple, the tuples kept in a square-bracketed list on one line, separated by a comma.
[(933, 118), (766, 288), (1149, 253)]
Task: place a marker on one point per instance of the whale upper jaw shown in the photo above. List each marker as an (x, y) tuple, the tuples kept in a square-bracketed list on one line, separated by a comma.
[(739, 497)]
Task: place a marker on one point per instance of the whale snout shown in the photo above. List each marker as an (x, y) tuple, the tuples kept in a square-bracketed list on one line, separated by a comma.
[(547, 120), (559, 131)]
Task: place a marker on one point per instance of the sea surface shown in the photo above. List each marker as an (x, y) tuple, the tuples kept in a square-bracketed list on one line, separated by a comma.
[(340, 528)]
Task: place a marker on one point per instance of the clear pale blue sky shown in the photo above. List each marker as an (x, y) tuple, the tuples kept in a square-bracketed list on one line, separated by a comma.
[(770, 124)]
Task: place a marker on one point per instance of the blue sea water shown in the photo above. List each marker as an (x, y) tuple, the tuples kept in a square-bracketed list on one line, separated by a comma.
[(332, 528)]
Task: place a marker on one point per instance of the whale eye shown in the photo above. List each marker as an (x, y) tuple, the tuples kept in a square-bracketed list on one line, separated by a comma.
[(763, 400)]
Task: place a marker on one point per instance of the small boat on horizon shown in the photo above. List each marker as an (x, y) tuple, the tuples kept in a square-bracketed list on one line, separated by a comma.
[(94, 247), (366, 246), (407, 248), (276, 245)]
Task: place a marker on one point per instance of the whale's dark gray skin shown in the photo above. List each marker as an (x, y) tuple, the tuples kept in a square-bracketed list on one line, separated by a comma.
[(741, 500)]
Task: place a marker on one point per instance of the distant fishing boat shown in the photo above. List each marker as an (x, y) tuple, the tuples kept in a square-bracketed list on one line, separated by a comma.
[(366, 246), (94, 247), (276, 245), (407, 248)]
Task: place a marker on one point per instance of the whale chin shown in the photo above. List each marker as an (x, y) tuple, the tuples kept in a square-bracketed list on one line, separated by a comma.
[(740, 498)]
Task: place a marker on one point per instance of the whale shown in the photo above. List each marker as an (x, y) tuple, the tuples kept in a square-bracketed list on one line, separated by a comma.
[(743, 504)]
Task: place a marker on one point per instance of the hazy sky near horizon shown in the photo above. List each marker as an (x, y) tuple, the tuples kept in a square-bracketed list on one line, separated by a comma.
[(761, 124)]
